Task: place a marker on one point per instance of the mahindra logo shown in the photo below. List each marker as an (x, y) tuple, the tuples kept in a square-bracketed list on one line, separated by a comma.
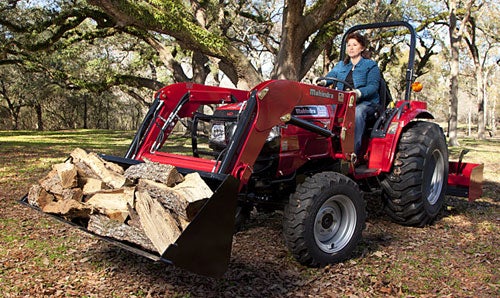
[(319, 93), (306, 111)]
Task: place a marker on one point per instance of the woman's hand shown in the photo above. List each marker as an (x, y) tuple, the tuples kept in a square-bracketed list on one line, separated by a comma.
[(319, 81)]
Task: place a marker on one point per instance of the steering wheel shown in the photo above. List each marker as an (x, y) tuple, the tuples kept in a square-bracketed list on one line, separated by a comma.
[(335, 80)]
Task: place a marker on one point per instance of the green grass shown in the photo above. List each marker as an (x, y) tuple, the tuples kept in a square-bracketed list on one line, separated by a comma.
[(108, 141), (30, 153)]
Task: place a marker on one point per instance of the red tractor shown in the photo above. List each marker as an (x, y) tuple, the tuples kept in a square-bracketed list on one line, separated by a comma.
[(289, 146)]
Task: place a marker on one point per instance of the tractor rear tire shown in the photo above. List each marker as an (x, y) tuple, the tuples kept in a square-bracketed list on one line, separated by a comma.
[(414, 191), (324, 219)]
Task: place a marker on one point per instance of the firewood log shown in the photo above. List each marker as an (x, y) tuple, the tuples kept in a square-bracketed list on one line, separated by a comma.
[(70, 194), (39, 197), (99, 167), (68, 208), (102, 225), (113, 203), (194, 191), (67, 174), (184, 200), (158, 224), (52, 183), (166, 174), (165, 195), (92, 185)]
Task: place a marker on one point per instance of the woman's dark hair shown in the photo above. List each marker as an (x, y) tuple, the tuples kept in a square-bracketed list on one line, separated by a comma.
[(363, 41)]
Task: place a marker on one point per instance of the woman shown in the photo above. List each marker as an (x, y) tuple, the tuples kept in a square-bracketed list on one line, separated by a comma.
[(362, 73)]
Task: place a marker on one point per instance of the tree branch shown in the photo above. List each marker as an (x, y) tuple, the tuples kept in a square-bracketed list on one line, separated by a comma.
[(172, 18)]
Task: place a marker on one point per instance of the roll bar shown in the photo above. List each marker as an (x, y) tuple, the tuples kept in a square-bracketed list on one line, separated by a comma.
[(413, 41)]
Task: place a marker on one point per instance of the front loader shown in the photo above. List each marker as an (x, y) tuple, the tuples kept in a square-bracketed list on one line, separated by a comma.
[(285, 145)]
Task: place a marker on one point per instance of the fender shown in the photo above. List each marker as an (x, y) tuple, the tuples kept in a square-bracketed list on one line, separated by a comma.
[(383, 143)]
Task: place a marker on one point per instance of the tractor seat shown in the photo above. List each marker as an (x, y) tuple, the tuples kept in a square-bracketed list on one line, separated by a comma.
[(385, 99)]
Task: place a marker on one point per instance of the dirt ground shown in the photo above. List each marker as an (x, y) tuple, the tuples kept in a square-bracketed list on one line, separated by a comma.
[(456, 256)]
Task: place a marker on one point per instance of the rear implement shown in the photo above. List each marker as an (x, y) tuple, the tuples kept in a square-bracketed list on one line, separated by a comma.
[(465, 179)]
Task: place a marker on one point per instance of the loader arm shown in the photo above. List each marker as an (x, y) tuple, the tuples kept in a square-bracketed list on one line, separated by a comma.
[(267, 105), (172, 103)]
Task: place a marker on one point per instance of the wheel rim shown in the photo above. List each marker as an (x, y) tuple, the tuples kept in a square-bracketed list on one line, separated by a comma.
[(335, 223), (436, 184)]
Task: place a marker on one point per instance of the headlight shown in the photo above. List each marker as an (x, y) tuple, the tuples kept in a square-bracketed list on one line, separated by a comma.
[(220, 134), (392, 128), (217, 133)]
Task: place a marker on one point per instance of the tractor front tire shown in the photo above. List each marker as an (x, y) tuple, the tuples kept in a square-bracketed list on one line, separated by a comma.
[(414, 191), (324, 219)]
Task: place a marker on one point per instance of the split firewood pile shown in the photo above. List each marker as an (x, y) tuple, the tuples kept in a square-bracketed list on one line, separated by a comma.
[(148, 204)]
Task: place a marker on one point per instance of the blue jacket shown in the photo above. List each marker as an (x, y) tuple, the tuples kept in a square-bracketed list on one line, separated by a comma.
[(366, 78)]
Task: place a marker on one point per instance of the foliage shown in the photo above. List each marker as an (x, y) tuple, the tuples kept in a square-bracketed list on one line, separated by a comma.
[(60, 67), (86, 57)]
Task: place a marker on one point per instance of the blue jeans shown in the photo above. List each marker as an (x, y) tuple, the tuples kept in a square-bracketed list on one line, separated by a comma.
[(363, 111)]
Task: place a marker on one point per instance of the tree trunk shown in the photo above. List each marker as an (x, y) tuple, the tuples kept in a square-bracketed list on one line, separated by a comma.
[(480, 81), (455, 39), (453, 123), (290, 48), (297, 51), (200, 67), (107, 111), (85, 112), (39, 118), (327, 60), (15, 119), (12, 108), (481, 111), (454, 70), (493, 118), (469, 123)]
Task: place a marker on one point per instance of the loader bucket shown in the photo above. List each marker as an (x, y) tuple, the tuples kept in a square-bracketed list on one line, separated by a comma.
[(204, 247), (465, 179)]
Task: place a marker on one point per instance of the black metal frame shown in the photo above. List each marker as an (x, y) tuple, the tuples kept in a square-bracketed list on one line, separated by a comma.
[(245, 119), (194, 131), (413, 42), (310, 127), (144, 128), (383, 122)]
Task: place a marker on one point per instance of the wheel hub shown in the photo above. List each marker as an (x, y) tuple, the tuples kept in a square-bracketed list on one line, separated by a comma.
[(437, 180), (334, 224), (327, 223)]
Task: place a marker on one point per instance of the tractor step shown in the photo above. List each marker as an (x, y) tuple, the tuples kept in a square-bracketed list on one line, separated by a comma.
[(362, 171)]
